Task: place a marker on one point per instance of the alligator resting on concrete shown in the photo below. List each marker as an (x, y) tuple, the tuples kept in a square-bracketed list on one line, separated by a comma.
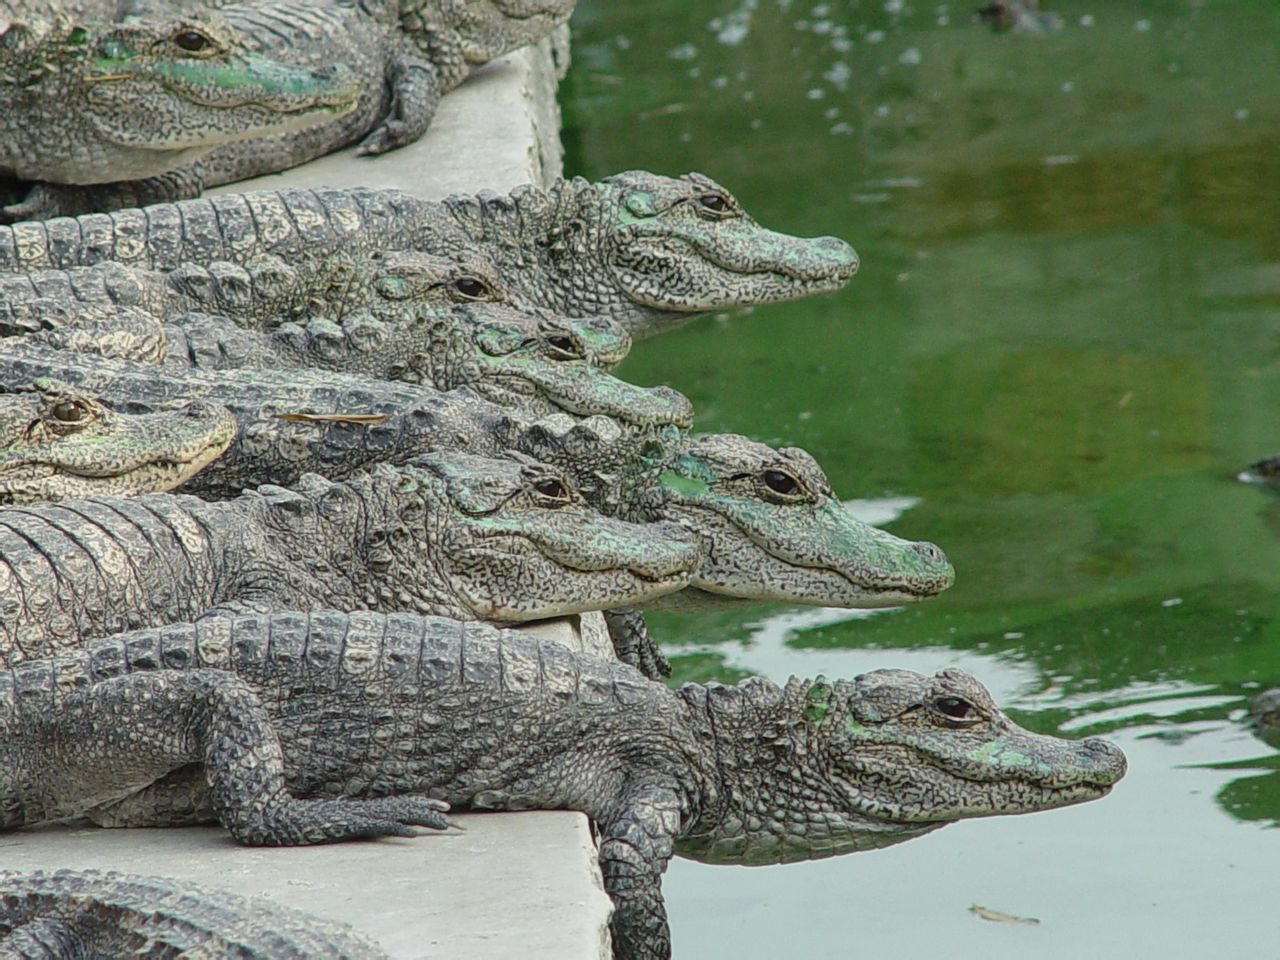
[(450, 534), (119, 916), (57, 442), (648, 251), (275, 726), (403, 55), (85, 104)]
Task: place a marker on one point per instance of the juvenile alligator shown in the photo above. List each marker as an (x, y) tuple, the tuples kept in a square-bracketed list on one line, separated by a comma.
[(305, 728), (84, 105), (57, 442), (299, 420), (648, 251), (402, 316), (120, 916), (404, 56), (772, 527), (451, 534)]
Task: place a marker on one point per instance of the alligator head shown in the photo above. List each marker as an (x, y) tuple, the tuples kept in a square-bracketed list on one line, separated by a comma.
[(890, 755), (540, 363), (775, 531), (647, 250), (516, 541), (57, 443), (152, 93)]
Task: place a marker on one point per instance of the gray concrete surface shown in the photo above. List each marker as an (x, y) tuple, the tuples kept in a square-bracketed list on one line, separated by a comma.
[(500, 129), (523, 885), (512, 885)]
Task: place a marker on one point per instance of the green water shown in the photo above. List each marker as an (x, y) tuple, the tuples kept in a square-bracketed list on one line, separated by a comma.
[(1063, 343)]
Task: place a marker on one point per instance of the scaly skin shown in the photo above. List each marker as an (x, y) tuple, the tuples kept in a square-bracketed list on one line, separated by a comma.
[(121, 916), (403, 58), (84, 105), (451, 534), (349, 422), (402, 316), (278, 713), (57, 442), (772, 527), (648, 251)]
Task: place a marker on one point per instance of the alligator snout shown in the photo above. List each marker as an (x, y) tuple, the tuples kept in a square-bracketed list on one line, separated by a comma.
[(1104, 762), (842, 258), (674, 554)]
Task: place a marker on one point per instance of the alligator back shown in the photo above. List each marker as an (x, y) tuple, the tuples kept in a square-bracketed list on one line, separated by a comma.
[(109, 914), (237, 227), (333, 423), (93, 567)]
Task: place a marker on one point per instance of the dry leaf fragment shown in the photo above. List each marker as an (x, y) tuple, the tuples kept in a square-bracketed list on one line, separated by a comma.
[(999, 917)]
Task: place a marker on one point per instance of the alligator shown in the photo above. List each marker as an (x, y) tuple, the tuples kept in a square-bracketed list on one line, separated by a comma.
[(119, 916), (300, 420), (404, 56), (773, 528), (313, 727), (450, 534), (86, 105), (57, 442), (402, 315), (648, 251)]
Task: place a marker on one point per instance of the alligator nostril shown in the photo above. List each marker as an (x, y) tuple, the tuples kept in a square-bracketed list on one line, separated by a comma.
[(929, 551)]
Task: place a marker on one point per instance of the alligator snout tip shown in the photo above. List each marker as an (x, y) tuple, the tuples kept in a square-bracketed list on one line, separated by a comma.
[(1106, 762), (843, 257)]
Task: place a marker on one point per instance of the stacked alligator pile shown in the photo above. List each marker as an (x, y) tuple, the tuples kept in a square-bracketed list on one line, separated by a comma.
[(269, 457)]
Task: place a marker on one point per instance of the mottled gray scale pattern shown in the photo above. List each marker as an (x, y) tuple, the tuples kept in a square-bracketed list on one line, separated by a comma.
[(318, 726), (645, 250), (412, 538), (114, 916)]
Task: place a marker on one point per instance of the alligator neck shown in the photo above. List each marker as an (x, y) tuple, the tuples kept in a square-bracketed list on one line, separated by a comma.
[(776, 800), (553, 238)]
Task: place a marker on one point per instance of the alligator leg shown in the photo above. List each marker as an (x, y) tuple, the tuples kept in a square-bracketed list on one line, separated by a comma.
[(144, 726), (178, 799), (46, 200), (633, 645), (634, 851), (415, 94)]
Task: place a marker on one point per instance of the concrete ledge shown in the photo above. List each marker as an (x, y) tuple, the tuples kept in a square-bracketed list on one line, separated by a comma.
[(513, 885), (499, 129)]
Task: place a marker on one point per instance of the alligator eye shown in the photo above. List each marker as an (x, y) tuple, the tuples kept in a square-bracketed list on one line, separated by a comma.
[(563, 347), (955, 708), (781, 483), (193, 41), (472, 288), (69, 411), (714, 202), (553, 488)]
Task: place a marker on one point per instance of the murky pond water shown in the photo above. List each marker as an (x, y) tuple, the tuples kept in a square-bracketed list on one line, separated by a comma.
[(1063, 343)]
